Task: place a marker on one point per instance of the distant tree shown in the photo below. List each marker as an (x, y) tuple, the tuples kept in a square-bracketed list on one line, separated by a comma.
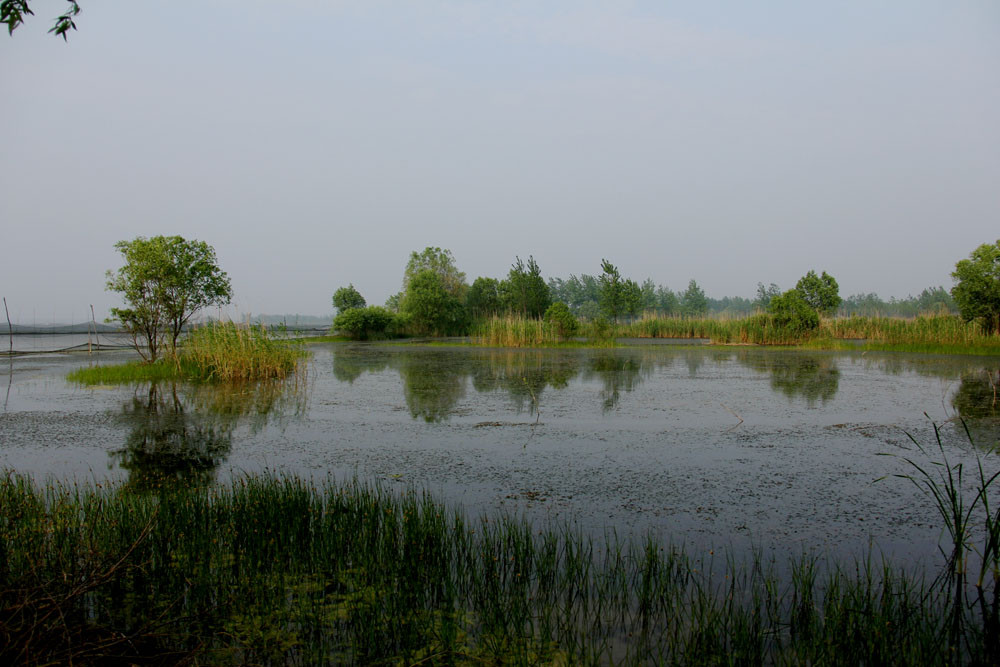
[(820, 292), (666, 301), (431, 308), (392, 303), (560, 316), (791, 311), (764, 295), (165, 281), (12, 13), (693, 301), (631, 298), (346, 298), (524, 291), (441, 262), (977, 286), (365, 323), (483, 298), (649, 302), (611, 301)]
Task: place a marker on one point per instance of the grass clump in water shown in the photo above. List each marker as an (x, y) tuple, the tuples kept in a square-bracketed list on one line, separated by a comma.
[(221, 351), (231, 353)]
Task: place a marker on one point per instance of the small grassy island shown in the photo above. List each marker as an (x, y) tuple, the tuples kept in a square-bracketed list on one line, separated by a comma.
[(217, 352)]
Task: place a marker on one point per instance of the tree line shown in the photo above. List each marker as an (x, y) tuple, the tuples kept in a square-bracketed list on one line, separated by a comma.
[(165, 280)]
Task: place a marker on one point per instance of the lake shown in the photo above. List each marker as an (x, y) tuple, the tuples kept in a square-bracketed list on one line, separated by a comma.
[(710, 447)]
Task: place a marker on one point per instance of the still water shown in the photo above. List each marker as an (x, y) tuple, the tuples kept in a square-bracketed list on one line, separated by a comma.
[(711, 447)]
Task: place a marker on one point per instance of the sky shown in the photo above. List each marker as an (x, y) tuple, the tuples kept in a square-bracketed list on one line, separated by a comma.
[(318, 143)]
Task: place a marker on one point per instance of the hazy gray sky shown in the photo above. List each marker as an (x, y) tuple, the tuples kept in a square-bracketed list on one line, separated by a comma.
[(315, 143)]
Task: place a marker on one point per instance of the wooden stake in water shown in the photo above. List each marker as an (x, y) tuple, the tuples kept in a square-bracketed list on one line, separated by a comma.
[(10, 329), (93, 318)]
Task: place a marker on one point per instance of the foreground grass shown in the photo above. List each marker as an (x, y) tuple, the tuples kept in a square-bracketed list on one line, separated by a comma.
[(279, 570), (222, 351)]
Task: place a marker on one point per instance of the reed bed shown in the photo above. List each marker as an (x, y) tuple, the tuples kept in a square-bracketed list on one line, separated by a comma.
[(515, 331), (232, 353), (217, 352), (946, 333), (276, 570)]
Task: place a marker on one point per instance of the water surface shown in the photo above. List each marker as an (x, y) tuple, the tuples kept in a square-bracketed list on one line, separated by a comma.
[(711, 447)]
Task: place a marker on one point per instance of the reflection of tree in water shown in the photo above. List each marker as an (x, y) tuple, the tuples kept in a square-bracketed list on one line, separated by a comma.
[(169, 445), (348, 366), (618, 373), (812, 377), (977, 401), (432, 389), (180, 435), (523, 374)]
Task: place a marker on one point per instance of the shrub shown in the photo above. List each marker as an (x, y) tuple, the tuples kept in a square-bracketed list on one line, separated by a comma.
[(558, 314), (366, 323), (792, 312)]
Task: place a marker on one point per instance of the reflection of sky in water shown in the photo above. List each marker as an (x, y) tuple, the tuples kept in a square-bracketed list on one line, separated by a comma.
[(709, 445)]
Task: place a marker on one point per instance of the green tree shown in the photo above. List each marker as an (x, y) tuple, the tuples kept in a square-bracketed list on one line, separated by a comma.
[(165, 280), (820, 292), (347, 298), (648, 288), (560, 316), (12, 13), (791, 311), (365, 323), (765, 294), (977, 286), (693, 301), (432, 309), (611, 285), (483, 298), (441, 262), (524, 291), (666, 301), (631, 298)]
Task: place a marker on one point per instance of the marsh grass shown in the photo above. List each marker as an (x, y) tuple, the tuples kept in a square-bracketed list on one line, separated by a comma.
[(930, 333), (216, 352), (276, 570), (946, 482), (520, 331), (133, 372), (229, 352)]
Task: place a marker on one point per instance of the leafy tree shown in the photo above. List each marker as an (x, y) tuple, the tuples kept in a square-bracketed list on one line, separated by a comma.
[(693, 301), (611, 285), (649, 301), (524, 291), (347, 298), (820, 292), (165, 280), (483, 298), (365, 323), (12, 13), (392, 303), (791, 311), (666, 301), (765, 294), (631, 298), (441, 262), (432, 309), (977, 286), (558, 313)]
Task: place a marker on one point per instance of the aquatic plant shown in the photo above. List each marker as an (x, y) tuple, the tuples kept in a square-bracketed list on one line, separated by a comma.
[(282, 570), (220, 351)]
